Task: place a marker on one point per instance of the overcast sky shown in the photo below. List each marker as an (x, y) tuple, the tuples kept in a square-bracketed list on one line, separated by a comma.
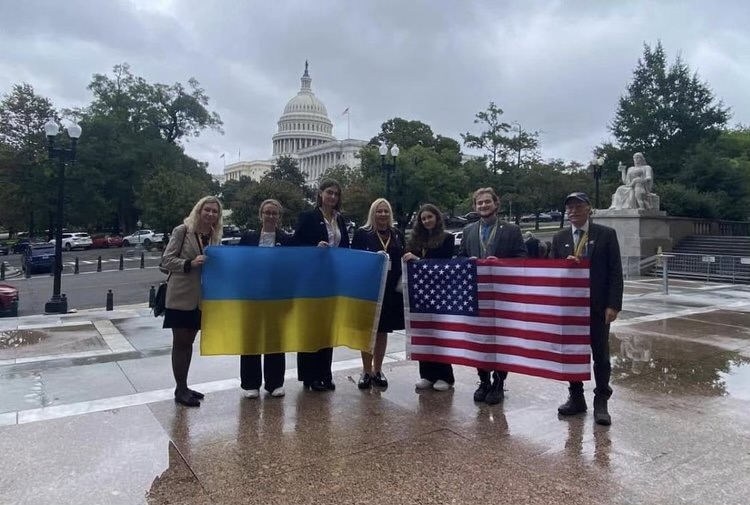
[(553, 66)]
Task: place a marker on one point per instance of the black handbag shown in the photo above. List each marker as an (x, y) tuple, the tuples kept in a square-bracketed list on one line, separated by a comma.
[(160, 301)]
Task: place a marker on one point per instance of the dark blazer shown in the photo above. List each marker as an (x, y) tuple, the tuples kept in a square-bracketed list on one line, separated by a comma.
[(606, 266), (508, 242), (367, 240), (253, 238), (445, 251), (311, 229)]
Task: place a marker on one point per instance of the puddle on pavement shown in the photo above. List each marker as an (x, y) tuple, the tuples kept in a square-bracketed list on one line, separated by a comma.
[(10, 339), (675, 367)]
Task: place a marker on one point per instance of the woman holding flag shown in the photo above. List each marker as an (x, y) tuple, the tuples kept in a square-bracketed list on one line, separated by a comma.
[(322, 226), (251, 373), (183, 257), (378, 235), (430, 241)]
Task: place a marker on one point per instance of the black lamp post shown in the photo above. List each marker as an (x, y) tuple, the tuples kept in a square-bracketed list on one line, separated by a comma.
[(595, 166), (388, 168), (58, 304)]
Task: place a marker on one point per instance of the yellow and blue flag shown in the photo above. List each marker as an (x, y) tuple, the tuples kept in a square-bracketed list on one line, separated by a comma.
[(260, 300)]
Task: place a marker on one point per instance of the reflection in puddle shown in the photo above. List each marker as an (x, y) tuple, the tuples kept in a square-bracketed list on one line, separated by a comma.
[(18, 338), (671, 366)]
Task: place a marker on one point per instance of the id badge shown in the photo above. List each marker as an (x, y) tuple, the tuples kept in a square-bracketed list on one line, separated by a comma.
[(389, 264)]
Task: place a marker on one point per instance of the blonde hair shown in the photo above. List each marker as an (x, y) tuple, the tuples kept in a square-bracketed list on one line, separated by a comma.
[(370, 224), (191, 222), (271, 201)]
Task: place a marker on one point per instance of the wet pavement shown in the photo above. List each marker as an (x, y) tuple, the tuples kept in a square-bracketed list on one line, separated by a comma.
[(86, 416)]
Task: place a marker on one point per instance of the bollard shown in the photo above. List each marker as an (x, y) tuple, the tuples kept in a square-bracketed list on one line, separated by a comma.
[(2, 271), (151, 297), (122, 263), (143, 261), (75, 268), (64, 303), (110, 300), (99, 264), (27, 272), (13, 308)]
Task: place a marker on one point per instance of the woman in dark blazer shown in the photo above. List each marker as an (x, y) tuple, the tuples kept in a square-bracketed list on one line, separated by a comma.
[(379, 235), (183, 257), (430, 241), (251, 374), (322, 226)]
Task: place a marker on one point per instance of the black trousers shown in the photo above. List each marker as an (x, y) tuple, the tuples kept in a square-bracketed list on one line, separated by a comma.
[(600, 356), (315, 366), (434, 371), (251, 375), (484, 375)]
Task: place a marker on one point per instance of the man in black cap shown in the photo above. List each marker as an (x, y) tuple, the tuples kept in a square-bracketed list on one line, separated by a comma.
[(597, 243)]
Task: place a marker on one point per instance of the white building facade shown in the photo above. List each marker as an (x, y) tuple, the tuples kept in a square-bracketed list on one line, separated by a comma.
[(305, 133)]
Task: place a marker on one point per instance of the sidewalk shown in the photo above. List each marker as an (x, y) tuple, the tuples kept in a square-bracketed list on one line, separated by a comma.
[(86, 416)]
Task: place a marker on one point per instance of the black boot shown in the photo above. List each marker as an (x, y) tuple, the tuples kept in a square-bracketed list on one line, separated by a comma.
[(496, 394), (601, 414), (576, 404), (481, 393)]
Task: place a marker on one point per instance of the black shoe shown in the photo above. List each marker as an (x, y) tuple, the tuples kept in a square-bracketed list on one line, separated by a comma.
[(495, 394), (186, 399), (196, 394), (576, 404), (365, 381), (318, 386), (480, 394), (330, 386), (379, 380), (306, 385), (601, 414)]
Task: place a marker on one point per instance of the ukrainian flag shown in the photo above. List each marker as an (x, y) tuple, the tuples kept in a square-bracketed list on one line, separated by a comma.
[(259, 300)]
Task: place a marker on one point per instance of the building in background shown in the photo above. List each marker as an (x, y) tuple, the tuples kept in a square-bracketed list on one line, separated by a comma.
[(305, 133)]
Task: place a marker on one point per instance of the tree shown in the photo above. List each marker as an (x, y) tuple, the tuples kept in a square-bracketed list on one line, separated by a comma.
[(246, 206), (404, 133), (666, 112)]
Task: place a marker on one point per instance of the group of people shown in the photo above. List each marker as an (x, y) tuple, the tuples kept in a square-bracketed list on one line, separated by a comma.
[(324, 226)]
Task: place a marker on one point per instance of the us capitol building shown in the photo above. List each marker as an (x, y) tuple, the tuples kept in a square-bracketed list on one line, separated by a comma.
[(305, 133)]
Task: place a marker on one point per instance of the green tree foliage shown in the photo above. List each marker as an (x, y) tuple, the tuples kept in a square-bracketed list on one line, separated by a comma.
[(405, 134), (666, 111)]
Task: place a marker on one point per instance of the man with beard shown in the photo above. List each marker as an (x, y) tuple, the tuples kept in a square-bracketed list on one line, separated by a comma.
[(490, 238)]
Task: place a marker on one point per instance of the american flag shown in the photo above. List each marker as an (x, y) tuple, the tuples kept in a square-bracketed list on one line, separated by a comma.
[(519, 315)]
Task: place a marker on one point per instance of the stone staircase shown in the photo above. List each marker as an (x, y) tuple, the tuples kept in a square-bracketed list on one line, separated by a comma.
[(712, 258)]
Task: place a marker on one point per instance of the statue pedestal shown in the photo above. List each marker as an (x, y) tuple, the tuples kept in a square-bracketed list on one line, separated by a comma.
[(640, 233)]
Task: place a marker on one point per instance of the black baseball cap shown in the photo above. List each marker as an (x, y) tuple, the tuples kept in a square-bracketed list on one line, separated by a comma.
[(581, 197)]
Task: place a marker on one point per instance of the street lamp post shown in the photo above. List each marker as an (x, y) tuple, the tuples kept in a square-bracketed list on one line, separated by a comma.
[(58, 304), (595, 166), (388, 168)]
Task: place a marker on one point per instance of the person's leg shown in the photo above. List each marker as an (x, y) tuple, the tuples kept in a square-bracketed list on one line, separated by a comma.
[(182, 353), (250, 372), (602, 370), (480, 394), (381, 342), (496, 393), (274, 366), (365, 378)]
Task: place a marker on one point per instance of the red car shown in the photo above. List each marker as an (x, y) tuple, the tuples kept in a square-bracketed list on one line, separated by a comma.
[(104, 241), (8, 295)]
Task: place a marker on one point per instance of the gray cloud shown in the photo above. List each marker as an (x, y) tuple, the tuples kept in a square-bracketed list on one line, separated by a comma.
[(558, 67)]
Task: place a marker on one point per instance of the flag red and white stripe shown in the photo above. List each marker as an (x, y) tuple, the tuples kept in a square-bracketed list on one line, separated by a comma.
[(533, 318)]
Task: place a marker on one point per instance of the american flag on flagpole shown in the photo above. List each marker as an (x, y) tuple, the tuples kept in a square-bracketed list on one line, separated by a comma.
[(524, 316)]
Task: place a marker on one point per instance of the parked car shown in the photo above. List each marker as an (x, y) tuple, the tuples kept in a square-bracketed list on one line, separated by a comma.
[(76, 240), (8, 301), (104, 241), (454, 222), (23, 243), (457, 237), (472, 216), (144, 237), (38, 257), (4, 249)]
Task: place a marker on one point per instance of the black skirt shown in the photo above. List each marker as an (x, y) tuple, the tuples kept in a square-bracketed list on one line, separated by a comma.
[(392, 312), (174, 318)]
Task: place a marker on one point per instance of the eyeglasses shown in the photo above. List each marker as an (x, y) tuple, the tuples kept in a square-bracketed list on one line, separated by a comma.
[(271, 214)]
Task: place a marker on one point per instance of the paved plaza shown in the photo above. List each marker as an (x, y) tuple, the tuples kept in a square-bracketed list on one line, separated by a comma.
[(87, 417)]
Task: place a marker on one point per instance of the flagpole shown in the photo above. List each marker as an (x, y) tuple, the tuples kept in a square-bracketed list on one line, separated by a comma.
[(348, 124)]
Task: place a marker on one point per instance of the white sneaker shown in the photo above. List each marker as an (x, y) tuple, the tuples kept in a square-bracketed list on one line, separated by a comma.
[(278, 392), (423, 384), (251, 393), (441, 386)]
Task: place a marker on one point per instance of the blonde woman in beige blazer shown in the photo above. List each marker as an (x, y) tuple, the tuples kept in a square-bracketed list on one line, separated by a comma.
[(184, 257)]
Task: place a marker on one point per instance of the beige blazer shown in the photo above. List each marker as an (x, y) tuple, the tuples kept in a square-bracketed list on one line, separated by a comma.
[(183, 289)]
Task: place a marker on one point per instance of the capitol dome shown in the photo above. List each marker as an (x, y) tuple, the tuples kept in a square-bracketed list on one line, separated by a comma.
[(304, 123)]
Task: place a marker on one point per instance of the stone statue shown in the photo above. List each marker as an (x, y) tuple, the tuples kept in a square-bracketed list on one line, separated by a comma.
[(637, 182)]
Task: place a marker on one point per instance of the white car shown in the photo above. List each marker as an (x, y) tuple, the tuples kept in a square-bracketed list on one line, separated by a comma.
[(72, 241), (143, 237), (457, 241)]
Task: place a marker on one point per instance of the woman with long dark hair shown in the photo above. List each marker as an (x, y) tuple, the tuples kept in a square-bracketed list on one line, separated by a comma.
[(183, 257), (429, 240), (322, 226)]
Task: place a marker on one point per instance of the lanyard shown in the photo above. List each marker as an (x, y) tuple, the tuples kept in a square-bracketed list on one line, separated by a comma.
[(386, 243), (482, 243), (581, 246)]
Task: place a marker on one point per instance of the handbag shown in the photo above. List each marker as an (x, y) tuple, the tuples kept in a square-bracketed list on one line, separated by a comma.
[(160, 300)]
